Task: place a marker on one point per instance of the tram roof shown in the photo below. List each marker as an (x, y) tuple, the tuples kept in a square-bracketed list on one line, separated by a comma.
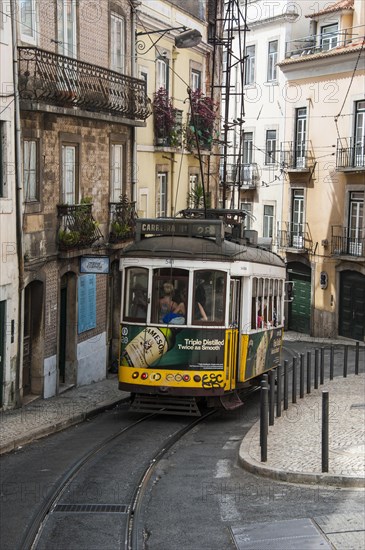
[(198, 248)]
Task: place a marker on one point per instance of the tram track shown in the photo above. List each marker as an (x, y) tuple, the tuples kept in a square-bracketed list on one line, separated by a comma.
[(133, 537)]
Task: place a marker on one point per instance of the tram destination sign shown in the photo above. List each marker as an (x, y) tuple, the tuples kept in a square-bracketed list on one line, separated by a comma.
[(180, 227)]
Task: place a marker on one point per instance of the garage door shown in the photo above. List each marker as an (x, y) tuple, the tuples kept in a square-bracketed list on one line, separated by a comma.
[(352, 305)]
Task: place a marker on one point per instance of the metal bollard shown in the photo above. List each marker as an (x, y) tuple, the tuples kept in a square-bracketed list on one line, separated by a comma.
[(316, 368), (325, 430), (294, 382), (272, 398), (278, 391), (286, 385), (345, 359), (309, 371), (264, 421), (357, 358), (332, 361), (321, 377), (301, 386)]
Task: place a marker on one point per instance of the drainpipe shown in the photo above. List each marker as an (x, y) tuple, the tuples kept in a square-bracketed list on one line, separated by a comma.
[(135, 4), (19, 206)]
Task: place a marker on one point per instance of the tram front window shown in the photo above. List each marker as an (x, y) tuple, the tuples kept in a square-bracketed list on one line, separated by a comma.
[(170, 302), (135, 305), (209, 297)]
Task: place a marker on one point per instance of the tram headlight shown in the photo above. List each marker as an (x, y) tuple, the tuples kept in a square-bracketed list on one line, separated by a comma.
[(186, 378), (135, 374), (144, 375), (197, 378)]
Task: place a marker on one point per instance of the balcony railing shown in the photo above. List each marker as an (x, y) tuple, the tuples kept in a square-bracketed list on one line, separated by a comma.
[(296, 156), (55, 79), (175, 137), (350, 155), (76, 227), (242, 175), (323, 42), (295, 236), (347, 242), (122, 217)]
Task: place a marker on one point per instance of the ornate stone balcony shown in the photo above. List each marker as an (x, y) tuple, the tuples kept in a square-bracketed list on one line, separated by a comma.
[(46, 77)]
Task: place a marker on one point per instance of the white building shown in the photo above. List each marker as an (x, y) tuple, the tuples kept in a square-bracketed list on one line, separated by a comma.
[(9, 277)]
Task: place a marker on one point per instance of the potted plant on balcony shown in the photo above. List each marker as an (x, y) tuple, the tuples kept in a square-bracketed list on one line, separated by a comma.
[(201, 123), (163, 116)]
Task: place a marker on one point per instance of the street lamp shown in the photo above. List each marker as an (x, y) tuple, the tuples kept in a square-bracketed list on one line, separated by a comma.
[(186, 39)]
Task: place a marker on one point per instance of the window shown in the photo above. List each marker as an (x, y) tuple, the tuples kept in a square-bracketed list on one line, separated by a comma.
[(196, 197), (268, 221), (270, 148), (300, 137), (162, 73), (272, 60), (2, 159), (28, 20), (196, 78), (356, 223), (267, 302), (117, 43), (329, 36), (247, 147), (247, 207), (170, 296), (161, 203), (250, 65), (209, 302), (297, 225), (360, 134), (136, 294), (117, 172), (67, 28), (70, 194), (30, 170)]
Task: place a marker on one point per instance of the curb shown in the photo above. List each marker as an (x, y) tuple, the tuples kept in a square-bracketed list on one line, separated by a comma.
[(59, 426), (257, 468)]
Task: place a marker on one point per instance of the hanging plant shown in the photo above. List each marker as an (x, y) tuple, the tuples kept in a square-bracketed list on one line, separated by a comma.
[(202, 118), (163, 114)]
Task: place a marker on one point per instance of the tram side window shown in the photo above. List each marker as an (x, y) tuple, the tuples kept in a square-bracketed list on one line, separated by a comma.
[(170, 301), (209, 297), (136, 294), (266, 302)]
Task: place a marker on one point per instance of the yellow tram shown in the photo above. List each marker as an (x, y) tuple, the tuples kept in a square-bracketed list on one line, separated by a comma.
[(201, 315)]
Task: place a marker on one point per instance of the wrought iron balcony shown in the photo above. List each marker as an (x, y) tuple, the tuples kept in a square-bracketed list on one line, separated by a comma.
[(349, 155), (295, 236), (246, 176), (49, 78), (76, 227), (122, 216), (174, 138), (296, 156), (347, 242), (323, 42)]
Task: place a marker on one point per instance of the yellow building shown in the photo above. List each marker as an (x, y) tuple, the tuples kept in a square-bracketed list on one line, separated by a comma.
[(175, 62), (323, 233)]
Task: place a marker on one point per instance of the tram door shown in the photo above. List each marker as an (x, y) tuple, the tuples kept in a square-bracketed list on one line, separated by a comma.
[(234, 323)]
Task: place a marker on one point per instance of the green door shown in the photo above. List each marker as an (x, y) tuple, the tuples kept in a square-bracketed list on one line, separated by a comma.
[(300, 307), (352, 305), (2, 348)]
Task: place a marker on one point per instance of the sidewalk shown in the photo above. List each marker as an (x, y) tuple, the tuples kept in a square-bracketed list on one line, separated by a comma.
[(294, 441), (43, 417)]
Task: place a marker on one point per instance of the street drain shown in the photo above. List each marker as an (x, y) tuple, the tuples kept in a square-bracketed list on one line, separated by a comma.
[(92, 508)]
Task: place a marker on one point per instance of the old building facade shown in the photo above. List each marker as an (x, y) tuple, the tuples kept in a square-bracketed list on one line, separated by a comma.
[(324, 165), (79, 106)]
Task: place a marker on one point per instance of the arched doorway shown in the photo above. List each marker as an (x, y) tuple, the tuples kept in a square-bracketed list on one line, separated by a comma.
[(352, 305), (33, 349), (299, 313), (67, 361)]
